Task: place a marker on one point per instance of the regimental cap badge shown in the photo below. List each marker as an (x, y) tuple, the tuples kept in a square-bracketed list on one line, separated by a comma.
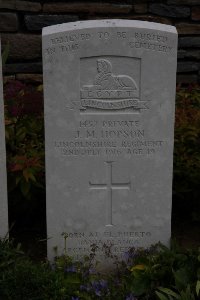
[(110, 91)]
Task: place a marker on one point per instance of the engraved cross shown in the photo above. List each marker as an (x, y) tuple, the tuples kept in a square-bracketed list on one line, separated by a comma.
[(109, 187)]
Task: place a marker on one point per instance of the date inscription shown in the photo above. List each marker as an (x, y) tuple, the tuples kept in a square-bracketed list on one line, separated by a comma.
[(109, 138)]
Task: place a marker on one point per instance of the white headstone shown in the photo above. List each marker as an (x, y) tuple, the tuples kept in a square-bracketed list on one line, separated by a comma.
[(3, 175), (109, 121)]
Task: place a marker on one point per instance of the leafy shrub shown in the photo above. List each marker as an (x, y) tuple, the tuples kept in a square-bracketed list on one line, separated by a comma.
[(24, 137), (25, 152)]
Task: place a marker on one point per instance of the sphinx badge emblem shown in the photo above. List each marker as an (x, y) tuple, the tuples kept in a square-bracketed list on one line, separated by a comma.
[(110, 91)]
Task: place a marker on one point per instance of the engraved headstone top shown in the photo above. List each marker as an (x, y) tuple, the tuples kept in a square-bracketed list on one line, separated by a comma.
[(109, 117), (3, 175)]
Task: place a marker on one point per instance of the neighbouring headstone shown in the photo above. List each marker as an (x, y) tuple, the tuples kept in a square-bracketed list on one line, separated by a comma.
[(109, 120), (3, 174)]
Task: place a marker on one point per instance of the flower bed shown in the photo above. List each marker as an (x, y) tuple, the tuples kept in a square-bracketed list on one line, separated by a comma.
[(154, 273)]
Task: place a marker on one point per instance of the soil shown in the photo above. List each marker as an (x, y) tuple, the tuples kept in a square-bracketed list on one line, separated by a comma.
[(186, 233)]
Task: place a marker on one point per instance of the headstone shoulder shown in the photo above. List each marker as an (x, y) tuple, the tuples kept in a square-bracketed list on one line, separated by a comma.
[(108, 23)]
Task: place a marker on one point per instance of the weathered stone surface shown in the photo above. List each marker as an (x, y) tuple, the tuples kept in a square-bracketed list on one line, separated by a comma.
[(187, 66), (151, 18), (8, 22), (21, 5), (181, 54), (8, 78), (30, 78), (189, 42), (188, 28), (169, 11), (3, 174), (23, 46), (187, 78), (7, 4), (87, 7), (109, 91), (28, 6), (37, 22), (183, 2), (23, 68), (140, 8), (196, 13), (194, 54)]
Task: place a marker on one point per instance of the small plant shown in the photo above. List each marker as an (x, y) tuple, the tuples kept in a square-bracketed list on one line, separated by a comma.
[(24, 137), (8, 254)]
